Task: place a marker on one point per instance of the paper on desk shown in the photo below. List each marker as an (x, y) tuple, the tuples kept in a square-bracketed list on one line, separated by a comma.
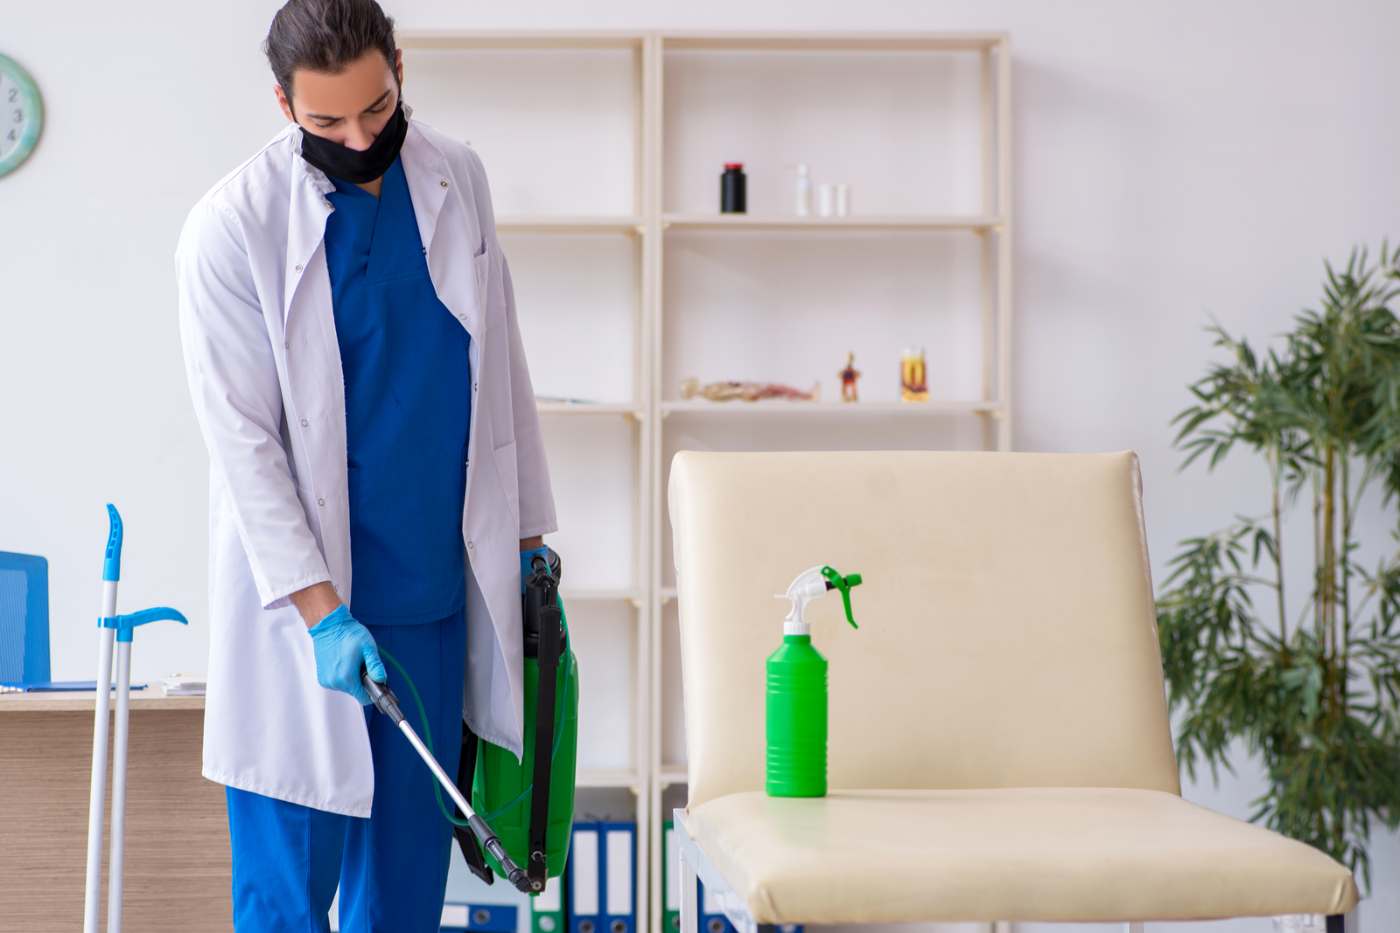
[(184, 685)]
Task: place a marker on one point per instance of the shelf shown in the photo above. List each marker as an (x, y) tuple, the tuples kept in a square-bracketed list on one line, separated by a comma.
[(570, 223), (976, 223), (600, 594), (625, 409), (609, 777), (450, 39), (707, 40), (655, 126), (780, 407), (737, 40)]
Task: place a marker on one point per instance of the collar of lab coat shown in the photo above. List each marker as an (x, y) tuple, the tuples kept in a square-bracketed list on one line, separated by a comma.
[(424, 167)]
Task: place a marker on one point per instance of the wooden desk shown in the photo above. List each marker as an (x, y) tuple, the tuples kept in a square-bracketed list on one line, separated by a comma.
[(177, 851)]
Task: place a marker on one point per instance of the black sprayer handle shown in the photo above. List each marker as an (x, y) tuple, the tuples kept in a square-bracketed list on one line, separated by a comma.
[(514, 874), (381, 696)]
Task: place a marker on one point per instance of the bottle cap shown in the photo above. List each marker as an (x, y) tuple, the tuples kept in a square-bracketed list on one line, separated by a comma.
[(729, 165)]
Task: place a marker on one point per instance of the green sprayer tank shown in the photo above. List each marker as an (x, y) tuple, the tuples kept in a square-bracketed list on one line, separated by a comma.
[(797, 691)]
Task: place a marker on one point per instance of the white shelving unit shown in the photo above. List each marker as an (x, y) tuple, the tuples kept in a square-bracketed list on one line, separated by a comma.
[(637, 94)]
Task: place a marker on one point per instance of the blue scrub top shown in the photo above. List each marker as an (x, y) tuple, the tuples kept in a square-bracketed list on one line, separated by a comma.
[(407, 408)]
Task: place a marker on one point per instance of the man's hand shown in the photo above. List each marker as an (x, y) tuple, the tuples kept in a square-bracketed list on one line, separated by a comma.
[(342, 647), (529, 547)]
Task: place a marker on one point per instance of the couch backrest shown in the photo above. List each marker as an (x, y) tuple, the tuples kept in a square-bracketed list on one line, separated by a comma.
[(1007, 625)]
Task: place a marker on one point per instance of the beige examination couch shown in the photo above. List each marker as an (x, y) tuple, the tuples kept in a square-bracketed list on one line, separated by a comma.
[(999, 743)]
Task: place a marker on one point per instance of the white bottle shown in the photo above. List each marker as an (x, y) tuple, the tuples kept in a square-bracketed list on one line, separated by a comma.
[(803, 191)]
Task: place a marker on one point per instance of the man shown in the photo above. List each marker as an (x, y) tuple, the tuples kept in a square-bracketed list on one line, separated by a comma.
[(354, 358)]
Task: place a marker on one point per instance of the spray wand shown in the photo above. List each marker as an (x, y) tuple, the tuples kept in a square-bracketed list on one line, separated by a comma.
[(387, 703)]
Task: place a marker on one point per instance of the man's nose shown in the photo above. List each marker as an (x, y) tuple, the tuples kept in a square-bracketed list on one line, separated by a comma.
[(359, 138)]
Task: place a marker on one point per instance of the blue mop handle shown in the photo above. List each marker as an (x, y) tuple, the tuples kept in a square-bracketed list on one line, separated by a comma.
[(126, 623), (112, 558), (111, 572)]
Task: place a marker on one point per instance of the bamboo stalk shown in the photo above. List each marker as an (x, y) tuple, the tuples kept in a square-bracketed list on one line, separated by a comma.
[(1346, 572), (1276, 468), (1329, 556)]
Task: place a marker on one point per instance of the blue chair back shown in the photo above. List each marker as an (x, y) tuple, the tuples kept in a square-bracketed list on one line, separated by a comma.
[(24, 617)]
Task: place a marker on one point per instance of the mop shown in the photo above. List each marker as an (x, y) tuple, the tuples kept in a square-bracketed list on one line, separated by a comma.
[(118, 628)]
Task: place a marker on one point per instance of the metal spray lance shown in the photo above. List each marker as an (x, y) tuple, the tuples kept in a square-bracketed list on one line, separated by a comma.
[(797, 690)]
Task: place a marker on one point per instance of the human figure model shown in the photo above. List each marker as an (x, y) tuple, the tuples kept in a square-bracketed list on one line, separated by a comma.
[(849, 375)]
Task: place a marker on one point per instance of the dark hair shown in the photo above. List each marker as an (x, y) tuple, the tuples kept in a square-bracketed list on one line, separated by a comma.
[(325, 35)]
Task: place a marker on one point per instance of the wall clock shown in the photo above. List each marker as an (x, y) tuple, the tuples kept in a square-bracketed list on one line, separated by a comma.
[(21, 115)]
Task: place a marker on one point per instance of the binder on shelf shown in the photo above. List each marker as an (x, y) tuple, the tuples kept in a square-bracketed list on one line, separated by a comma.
[(585, 874), (477, 918), (712, 918), (670, 879), (547, 907), (619, 876)]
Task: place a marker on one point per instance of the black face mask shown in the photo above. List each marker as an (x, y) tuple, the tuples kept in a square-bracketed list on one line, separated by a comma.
[(358, 165)]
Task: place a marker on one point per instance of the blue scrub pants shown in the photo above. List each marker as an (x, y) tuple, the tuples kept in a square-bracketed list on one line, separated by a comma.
[(392, 866)]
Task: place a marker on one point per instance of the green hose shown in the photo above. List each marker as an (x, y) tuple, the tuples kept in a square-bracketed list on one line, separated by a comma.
[(428, 732)]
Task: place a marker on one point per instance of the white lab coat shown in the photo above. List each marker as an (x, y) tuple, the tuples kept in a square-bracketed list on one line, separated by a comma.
[(264, 373)]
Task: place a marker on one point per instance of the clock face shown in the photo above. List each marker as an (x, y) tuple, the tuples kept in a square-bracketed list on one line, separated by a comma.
[(21, 115)]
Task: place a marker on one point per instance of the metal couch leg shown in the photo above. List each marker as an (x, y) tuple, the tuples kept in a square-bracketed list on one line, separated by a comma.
[(690, 894)]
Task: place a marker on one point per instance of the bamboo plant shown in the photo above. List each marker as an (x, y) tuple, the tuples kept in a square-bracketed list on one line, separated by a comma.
[(1313, 689)]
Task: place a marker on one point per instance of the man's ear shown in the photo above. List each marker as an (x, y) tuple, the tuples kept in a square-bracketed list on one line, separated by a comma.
[(283, 102)]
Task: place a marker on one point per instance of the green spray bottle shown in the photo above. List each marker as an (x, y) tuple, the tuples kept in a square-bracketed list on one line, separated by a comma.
[(797, 691)]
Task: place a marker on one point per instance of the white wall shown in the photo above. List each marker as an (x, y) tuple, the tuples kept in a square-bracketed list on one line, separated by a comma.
[(1171, 159)]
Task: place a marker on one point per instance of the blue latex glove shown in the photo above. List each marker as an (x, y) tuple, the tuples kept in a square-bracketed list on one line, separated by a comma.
[(525, 558), (342, 646)]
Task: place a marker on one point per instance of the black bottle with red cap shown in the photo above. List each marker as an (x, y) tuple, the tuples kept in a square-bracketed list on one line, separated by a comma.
[(731, 189)]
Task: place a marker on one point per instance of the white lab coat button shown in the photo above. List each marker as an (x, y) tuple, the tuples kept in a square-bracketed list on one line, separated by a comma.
[(320, 501), (304, 422), (298, 267), (444, 182), (470, 546)]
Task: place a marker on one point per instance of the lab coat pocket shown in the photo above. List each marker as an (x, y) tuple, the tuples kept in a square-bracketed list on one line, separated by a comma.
[(507, 472), (481, 269)]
